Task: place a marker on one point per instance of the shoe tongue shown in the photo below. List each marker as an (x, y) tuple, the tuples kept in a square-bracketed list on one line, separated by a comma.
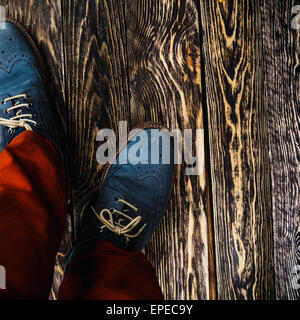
[(127, 211), (119, 205), (107, 199), (121, 219)]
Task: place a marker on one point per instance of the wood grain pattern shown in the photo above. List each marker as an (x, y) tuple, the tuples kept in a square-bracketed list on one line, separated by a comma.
[(96, 90), (238, 149), (101, 81), (281, 51), (229, 68), (96, 86), (165, 86), (102, 95)]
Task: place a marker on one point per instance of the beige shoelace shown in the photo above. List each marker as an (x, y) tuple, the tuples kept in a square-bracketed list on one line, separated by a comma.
[(19, 120), (116, 226)]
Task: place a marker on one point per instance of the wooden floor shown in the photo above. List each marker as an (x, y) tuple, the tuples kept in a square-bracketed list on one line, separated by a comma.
[(231, 68)]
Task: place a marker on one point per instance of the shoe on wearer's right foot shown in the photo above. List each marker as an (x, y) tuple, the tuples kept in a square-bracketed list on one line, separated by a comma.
[(132, 201)]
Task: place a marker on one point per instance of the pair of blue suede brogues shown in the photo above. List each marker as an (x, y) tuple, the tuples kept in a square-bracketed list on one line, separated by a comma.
[(133, 197)]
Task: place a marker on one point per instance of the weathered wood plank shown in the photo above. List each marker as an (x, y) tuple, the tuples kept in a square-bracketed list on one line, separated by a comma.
[(97, 94), (43, 20), (238, 149), (281, 51), (165, 85)]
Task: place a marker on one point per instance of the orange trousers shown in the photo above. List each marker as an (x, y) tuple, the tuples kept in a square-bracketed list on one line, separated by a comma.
[(33, 197)]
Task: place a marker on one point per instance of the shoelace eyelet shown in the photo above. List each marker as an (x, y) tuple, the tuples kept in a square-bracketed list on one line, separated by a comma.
[(20, 119)]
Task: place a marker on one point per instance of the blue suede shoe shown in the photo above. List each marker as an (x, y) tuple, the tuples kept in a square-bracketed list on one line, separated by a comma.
[(24, 104), (132, 201)]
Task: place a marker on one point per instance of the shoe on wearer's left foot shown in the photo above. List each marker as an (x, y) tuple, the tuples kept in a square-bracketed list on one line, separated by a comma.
[(24, 104), (132, 201)]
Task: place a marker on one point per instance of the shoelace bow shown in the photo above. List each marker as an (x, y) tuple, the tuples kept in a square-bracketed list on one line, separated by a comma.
[(116, 226), (19, 120)]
